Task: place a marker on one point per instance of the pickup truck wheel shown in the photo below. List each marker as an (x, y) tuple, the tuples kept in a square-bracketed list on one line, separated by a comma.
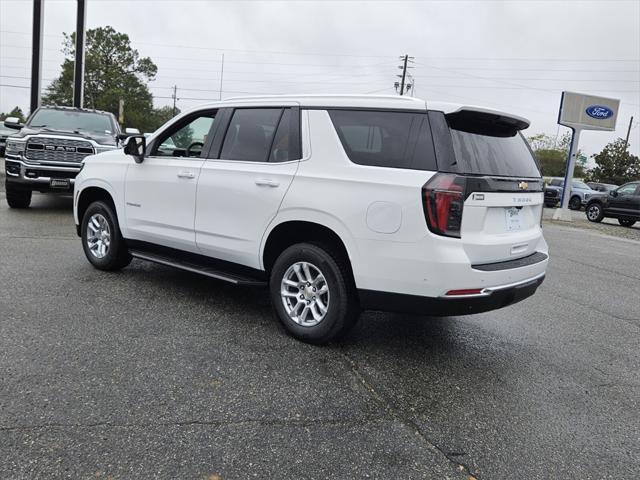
[(102, 241), (17, 197), (626, 222), (575, 203), (550, 204), (595, 212), (313, 294)]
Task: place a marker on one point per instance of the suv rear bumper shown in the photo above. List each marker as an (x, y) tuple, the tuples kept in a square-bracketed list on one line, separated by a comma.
[(490, 298)]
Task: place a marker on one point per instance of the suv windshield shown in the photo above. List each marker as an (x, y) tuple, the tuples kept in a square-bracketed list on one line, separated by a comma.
[(72, 120)]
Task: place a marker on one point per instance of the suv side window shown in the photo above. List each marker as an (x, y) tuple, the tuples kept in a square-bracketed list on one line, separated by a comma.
[(186, 138), (286, 144), (555, 182), (385, 138), (250, 136), (628, 189)]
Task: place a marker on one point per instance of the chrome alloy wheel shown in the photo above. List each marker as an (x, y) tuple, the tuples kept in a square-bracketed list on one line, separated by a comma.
[(98, 235), (305, 294), (593, 212)]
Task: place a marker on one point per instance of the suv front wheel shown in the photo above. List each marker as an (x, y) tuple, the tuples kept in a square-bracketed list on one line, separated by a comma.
[(313, 293), (102, 241)]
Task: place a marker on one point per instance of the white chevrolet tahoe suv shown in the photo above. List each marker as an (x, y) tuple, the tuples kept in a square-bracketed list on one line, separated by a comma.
[(337, 203)]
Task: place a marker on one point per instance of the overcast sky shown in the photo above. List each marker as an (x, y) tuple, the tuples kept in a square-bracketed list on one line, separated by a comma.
[(512, 55)]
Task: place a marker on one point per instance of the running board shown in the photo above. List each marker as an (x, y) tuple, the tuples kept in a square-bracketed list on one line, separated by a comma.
[(218, 274)]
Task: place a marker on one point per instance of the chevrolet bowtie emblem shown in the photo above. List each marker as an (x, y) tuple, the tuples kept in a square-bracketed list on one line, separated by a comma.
[(523, 185)]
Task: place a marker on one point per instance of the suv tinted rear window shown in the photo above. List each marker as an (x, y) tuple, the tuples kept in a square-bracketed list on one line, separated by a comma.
[(483, 144), (385, 138), (250, 134)]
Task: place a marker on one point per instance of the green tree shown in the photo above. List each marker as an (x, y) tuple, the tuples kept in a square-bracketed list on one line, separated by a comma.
[(16, 112), (114, 71), (162, 115), (614, 164), (552, 155)]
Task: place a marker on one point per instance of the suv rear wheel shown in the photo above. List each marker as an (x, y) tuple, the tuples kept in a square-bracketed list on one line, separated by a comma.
[(313, 293), (626, 222), (17, 197), (595, 212), (102, 241)]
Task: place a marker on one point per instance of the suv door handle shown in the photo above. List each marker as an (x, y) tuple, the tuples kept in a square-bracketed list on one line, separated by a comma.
[(267, 182), (186, 174)]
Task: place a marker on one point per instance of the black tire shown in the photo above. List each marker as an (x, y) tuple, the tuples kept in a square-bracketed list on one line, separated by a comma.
[(626, 222), (550, 205), (343, 307), (594, 212), (117, 255), (17, 197), (575, 203)]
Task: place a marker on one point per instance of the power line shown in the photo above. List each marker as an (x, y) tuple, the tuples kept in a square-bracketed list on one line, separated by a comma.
[(350, 55)]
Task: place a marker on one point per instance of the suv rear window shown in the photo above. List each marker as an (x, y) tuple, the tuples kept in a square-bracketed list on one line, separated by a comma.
[(483, 144), (385, 138)]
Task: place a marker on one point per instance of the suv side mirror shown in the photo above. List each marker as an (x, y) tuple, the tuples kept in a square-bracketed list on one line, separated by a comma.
[(13, 122), (613, 193), (136, 146), (128, 132)]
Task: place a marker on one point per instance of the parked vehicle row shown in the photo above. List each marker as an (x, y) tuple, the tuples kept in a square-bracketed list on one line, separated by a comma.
[(579, 194), (337, 203)]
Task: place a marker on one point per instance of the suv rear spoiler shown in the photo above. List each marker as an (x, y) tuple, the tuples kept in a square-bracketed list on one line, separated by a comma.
[(486, 122)]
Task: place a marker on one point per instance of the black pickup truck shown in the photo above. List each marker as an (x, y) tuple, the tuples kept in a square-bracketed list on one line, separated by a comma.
[(46, 153), (622, 203)]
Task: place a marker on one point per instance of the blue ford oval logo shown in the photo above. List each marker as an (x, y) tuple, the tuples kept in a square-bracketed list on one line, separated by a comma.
[(599, 112)]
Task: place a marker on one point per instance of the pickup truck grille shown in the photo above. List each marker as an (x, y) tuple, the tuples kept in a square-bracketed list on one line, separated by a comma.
[(551, 194), (51, 149)]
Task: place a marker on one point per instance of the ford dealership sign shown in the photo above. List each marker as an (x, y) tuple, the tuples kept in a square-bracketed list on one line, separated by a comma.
[(588, 112), (599, 112)]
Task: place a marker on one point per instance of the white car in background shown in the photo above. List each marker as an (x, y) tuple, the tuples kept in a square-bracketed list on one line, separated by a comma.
[(337, 203)]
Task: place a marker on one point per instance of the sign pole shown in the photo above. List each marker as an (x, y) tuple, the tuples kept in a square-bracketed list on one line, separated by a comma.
[(36, 54), (78, 69), (568, 176)]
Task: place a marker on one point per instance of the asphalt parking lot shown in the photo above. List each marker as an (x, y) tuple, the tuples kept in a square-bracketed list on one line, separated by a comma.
[(157, 373)]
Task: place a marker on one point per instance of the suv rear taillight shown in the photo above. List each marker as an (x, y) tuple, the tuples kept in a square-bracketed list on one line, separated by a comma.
[(443, 201)]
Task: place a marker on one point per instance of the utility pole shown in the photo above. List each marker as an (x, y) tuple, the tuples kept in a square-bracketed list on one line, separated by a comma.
[(36, 54), (626, 140), (174, 96), (221, 76), (406, 59), (404, 74), (78, 71), (121, 111)]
